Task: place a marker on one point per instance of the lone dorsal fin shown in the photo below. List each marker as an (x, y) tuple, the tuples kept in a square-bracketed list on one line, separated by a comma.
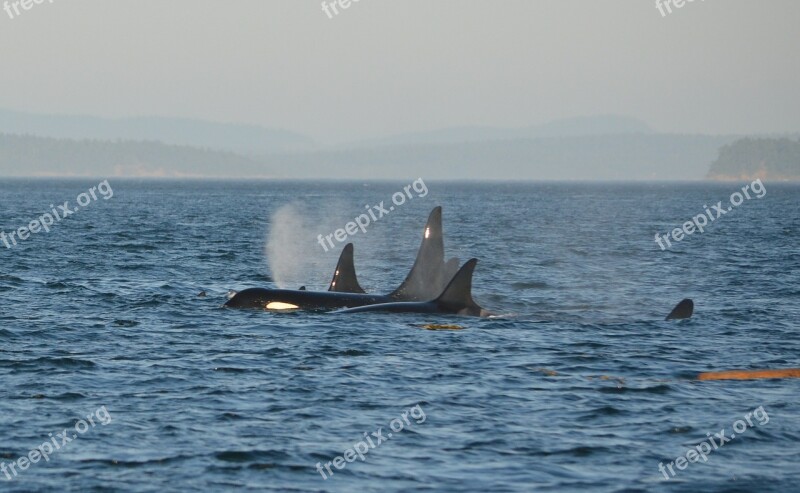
[(344, 278), (457, 296), (428, 275), (682, 311)]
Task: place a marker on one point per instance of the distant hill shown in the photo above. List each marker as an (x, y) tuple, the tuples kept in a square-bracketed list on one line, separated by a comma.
[(595, 157), (572, 127), (26, 156), (593, 148), (751, 158), (615, 157), (244, 139)]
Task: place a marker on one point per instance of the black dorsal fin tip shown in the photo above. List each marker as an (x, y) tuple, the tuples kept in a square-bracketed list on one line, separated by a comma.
[(457, 296), (344, 278), (682, 311)]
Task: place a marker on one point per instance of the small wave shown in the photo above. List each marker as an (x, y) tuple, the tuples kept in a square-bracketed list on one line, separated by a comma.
[(351, 352), (135, 463), (136, 247), (249, 455), (222, 256), (523, 285), (226, 369), (56, 285), (620, 389), (46, 362), (67, 396)]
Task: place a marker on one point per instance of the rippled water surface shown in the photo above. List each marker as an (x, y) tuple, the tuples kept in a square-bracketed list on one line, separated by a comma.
[(580, 386)]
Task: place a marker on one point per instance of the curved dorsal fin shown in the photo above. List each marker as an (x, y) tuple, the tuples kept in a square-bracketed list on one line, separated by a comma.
[(457, 296), (344, 279), (682, 311), (429, 275)]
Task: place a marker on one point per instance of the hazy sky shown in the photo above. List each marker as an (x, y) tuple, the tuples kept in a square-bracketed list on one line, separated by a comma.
[(383, 67)]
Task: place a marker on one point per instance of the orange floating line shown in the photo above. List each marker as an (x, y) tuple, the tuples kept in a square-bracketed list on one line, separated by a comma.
[(750, 374)]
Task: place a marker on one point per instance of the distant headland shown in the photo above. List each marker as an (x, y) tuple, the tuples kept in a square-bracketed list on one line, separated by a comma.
[(752, 158)]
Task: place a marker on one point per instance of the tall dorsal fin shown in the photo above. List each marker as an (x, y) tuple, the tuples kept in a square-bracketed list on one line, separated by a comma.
[(344, 279), (682, 311), (457, 296), (450, 270), (428, 275)]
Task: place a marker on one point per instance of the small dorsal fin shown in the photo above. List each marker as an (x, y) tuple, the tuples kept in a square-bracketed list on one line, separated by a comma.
[(344, 279), (683, 310), (457, 296), (427, 277)]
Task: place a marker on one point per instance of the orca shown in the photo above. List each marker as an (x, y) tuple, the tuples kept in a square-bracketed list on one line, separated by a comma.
[(344, 290), (456, 299), (430, 273), (682, 311), (291, 299)]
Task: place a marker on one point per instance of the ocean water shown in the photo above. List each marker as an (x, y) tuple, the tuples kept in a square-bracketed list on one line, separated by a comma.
[(579, 385)]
